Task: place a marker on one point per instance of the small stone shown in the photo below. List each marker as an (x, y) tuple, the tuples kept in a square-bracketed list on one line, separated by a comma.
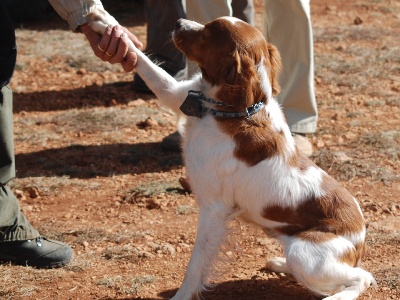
[(20, 195), (320, 144), (27, 208), (357, 21), (113, 102), (33, 192), (341, 156), (168, 249), (148, 237), (350, 136), (145, 254), (263, 241), (152, 204), (149, 122), (138, 102), (386, 210), (335, 117), (185, 184)]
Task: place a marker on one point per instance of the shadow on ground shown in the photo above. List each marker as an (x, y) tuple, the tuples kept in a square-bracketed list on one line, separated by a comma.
[(90, 96), (274, 288), (78, 161)]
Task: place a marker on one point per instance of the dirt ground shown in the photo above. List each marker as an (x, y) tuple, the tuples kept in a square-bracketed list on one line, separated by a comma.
[(91, 171)]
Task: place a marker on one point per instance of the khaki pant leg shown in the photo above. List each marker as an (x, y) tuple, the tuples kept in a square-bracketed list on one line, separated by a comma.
[(203, 12), (288, 27), (244, 10)]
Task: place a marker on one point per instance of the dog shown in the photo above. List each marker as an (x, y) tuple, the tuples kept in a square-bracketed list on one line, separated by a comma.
[(242, 161)]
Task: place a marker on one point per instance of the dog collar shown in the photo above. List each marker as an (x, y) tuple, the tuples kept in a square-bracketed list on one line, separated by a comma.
[(193, 107)]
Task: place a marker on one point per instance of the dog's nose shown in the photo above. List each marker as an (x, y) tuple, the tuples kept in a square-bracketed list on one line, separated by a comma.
[(178, 24)]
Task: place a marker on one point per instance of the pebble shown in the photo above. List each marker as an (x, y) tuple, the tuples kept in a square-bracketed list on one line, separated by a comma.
[(320, 144), (20, 195), (163, 248), (263, 241), (357, 21), (148, 123), (138, 102), (113, 102), (33, 192), (153, 203), (341, 156)]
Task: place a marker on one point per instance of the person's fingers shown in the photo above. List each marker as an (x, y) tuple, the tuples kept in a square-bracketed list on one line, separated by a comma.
[(113, 42), (130, 57), (104, 43), (94, 38), (130, 61), (122, 50)]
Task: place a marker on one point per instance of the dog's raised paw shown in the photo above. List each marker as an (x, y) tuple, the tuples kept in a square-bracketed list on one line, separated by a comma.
[(100, 19)]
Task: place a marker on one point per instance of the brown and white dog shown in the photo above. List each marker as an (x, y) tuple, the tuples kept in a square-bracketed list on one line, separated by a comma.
[(242, 161)]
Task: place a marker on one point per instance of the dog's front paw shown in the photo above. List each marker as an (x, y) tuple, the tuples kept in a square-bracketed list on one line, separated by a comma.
[(100, 19)]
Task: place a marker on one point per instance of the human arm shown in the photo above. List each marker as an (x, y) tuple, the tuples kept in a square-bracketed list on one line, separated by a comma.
[(109, 47)]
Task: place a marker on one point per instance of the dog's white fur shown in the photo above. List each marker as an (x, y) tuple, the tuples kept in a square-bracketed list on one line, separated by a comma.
[(226, 186)]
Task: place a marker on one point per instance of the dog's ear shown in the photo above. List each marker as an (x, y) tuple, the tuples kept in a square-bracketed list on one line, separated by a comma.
[(274, 66), (232, 68), (241, 86)]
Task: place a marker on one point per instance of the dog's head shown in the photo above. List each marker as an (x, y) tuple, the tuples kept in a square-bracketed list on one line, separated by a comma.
[(233, 55)]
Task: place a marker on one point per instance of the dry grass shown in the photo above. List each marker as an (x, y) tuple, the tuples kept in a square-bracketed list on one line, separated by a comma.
[(151, 189), (126, 285)]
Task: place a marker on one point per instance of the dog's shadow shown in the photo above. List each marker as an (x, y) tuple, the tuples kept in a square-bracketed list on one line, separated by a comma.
[(79, 161), (284, 288)]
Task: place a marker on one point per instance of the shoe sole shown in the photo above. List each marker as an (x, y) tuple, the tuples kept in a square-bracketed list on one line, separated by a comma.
[(27, 263)]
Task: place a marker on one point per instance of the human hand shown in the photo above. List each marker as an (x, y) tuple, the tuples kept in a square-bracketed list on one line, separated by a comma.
[(113, 46)]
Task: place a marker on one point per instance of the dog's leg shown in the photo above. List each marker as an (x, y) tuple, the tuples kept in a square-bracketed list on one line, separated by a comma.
[(169, 91), (211, 231), (318, 266), (359, 280)]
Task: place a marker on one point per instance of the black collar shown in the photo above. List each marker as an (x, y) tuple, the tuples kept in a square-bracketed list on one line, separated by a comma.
[(193, 107)]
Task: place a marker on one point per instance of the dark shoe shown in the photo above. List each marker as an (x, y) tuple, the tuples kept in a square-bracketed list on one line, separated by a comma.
[(172, 142), (40, 253)]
